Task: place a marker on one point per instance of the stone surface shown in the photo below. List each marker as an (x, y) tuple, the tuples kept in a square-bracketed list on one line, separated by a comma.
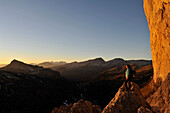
[(161, 98), (158, 17), (126, 101), (144, 110), (80, 107), (97, 109)]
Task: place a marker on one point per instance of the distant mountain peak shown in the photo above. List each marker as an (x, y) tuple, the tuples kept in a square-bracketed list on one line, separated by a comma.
[(21, 67), (17, 65), (119, 59), (97, 59), (16, 61)]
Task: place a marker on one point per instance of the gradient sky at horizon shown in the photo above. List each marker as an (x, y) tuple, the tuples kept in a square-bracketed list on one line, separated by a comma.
[(72, 30)]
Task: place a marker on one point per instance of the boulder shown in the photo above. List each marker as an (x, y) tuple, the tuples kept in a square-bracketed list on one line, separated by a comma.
[(80, 107), (97, 109)]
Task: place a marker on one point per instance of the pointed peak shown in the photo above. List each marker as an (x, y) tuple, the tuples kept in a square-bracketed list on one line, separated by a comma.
[(16, 61)]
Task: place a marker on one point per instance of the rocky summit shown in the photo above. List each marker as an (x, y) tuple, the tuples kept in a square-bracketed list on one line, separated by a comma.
[(126, 101)]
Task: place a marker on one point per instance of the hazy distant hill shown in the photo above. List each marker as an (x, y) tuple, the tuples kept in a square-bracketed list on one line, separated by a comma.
[(51, 64), (87, 70), (121, 62), (2, 65), (81, 71), (20, 67)]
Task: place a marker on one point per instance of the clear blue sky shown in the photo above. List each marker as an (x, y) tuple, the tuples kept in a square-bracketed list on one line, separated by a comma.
[(54, 30)]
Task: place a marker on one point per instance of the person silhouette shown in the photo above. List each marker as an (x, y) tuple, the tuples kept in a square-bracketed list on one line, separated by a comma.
[(128, 76)]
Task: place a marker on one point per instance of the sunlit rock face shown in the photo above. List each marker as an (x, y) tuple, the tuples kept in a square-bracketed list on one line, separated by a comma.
[(126, 101), (160, 100), (158, 17)]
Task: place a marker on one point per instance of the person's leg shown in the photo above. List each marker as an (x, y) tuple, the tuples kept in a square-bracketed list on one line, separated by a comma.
[(126, 84), (129, 81)]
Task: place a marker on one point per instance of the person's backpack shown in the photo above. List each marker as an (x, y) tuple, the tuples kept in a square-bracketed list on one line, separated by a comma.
[(132, 72)]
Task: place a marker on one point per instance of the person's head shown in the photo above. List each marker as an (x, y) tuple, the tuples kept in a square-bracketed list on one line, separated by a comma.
[(128, 66)]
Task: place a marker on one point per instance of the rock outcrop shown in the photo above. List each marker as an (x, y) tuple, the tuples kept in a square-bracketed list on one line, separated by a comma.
[(126, 101), (80, 107), (161, 98), (158, 16)]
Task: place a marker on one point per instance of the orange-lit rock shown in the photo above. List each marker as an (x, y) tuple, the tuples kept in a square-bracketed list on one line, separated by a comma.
[(158, 16), (161, 98), (126, 101), (79, 107)]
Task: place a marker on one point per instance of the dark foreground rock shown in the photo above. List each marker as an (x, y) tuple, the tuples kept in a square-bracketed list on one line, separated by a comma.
[(123, 102), (80, 107), (22, 93)]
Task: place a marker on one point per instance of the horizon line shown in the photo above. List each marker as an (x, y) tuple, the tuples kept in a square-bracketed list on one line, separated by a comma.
[(106, 60)]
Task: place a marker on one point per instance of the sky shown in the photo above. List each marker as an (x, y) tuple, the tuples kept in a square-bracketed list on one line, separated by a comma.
[(34, 31)]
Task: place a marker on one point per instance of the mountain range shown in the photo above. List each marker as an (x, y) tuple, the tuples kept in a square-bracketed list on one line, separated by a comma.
[(33, 87), (88, 70), (77, 71), (22, 68)]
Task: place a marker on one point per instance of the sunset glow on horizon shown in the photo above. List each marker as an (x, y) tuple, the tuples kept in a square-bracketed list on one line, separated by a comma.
[(62, 30)]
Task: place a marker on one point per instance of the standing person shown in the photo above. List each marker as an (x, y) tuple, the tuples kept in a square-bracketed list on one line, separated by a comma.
[(128, 76)]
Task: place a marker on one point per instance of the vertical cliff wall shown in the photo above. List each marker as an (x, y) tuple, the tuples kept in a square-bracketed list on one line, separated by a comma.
[(158, 17)]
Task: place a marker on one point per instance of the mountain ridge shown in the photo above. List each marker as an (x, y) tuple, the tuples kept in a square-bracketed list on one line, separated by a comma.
[(87, 70), (43, 64), (21, 67)]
